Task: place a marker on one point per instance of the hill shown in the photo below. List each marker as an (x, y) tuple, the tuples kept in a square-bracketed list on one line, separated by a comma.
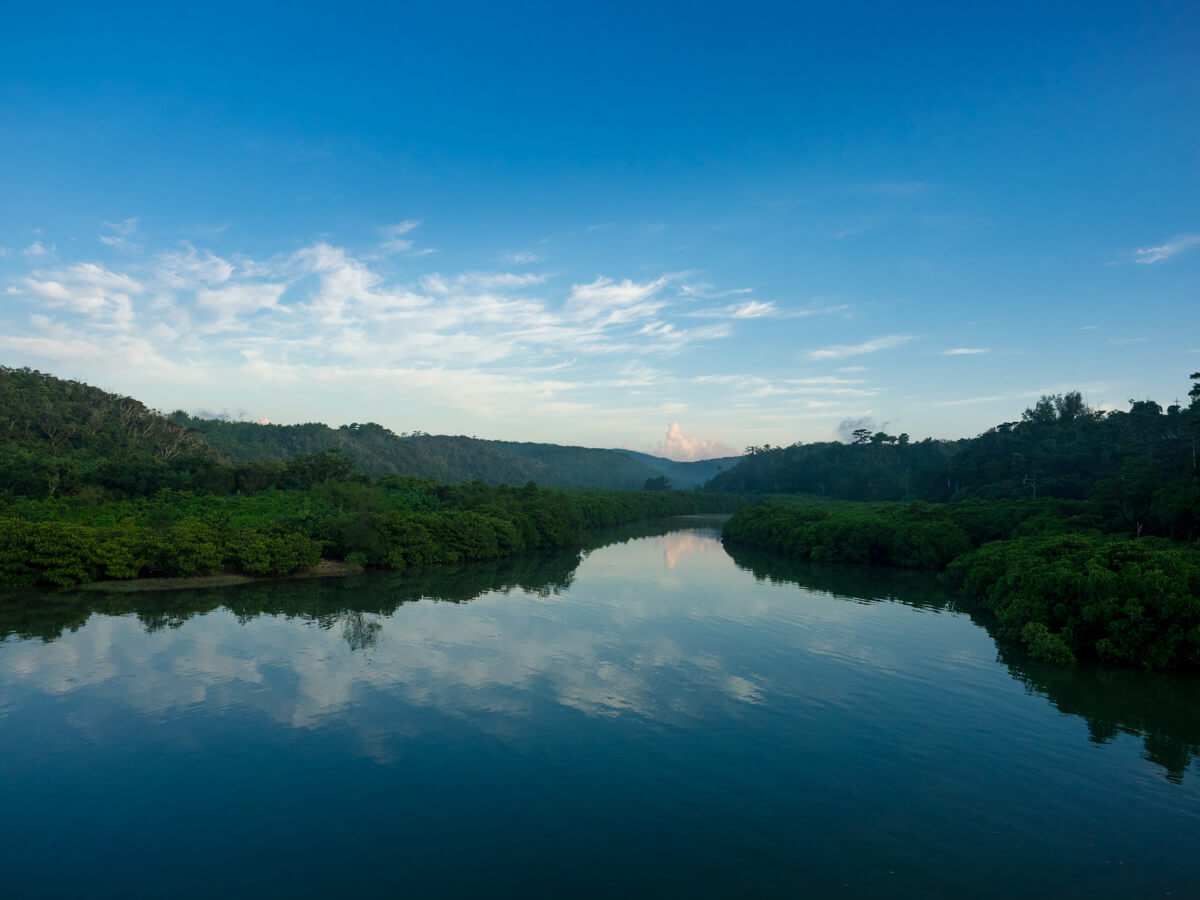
[(449, 459), (684, 475), (1140, 467), (58, 437)]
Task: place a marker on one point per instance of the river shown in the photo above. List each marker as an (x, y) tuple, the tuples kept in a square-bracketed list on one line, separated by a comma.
[(652, 716)]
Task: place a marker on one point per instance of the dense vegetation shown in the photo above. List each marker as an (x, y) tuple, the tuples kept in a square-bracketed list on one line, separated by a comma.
[(97, 486), (1137, 469), (1044, 522), (1122, 601), (396, 523), (449, 459), (1043, 571), (909, 535), (1049, 528), (60, 437)]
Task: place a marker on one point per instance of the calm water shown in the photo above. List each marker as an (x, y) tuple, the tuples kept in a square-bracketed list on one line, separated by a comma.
[(653, 718)]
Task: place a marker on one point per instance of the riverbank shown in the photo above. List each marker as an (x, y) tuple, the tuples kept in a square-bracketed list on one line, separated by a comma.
[(326, 568), (395, 523), (1043, 570)]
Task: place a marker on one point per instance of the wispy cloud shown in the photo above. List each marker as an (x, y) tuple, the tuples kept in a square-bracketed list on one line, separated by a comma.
[(393, 236), (332, 328), (991, 398), (750, 309), (615, 300), (1163, 252), (862, 226), (117, 234), (324, 315), (966, 351), (1023, 395), (762, 309), (439, 284), (840, 351), (233, 301)]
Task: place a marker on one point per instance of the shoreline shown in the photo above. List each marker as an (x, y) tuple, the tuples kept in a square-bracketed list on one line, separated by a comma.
[(326, 568)]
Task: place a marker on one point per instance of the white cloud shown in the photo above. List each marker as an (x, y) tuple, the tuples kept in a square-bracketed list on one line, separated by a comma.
[(522, 258), (98, 276), (347, 285), (184, 268), (52, 290), (1149, 255), (839, 351), (751, 309), (685, 448), (311, 326), (965, 351), (621, 300), (486, 281), (35, 249), (117, 234), (239, 299), (87, 289), (393, 236), (759, 309)]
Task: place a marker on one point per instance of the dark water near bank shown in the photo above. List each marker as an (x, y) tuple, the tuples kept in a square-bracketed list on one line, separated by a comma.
[(654, 719)]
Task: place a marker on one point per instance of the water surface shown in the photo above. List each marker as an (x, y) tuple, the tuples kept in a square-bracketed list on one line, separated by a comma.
[(653, 717)]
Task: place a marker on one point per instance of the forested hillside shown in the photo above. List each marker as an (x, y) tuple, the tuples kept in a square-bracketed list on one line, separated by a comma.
[(1138, 467), (684, 475), (58, 437), (96, 486), (449, 459)]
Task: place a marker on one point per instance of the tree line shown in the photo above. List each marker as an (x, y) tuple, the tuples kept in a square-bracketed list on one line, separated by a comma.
[(1138, 468)]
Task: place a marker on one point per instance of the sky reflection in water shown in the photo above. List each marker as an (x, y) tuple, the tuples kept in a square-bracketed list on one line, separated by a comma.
[(656, 715)]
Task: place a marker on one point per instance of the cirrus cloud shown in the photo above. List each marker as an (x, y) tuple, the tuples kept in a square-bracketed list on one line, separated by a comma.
[(840, 351)]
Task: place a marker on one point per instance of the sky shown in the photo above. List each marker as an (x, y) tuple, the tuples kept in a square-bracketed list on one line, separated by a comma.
[(681, 228)]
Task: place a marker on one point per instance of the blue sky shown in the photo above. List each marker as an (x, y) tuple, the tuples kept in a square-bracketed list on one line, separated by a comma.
[(545, 222)]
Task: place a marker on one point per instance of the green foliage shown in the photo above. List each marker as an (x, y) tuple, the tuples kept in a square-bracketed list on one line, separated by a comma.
[(1044, 572), (261, 449), (397, 523), (1043, 644), (915, 535), (61, 438), (1137, 471), (1122, 601)]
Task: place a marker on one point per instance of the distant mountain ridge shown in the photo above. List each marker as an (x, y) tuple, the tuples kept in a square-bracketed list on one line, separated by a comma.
[(57, 434), (685, 475), (449, 458)]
